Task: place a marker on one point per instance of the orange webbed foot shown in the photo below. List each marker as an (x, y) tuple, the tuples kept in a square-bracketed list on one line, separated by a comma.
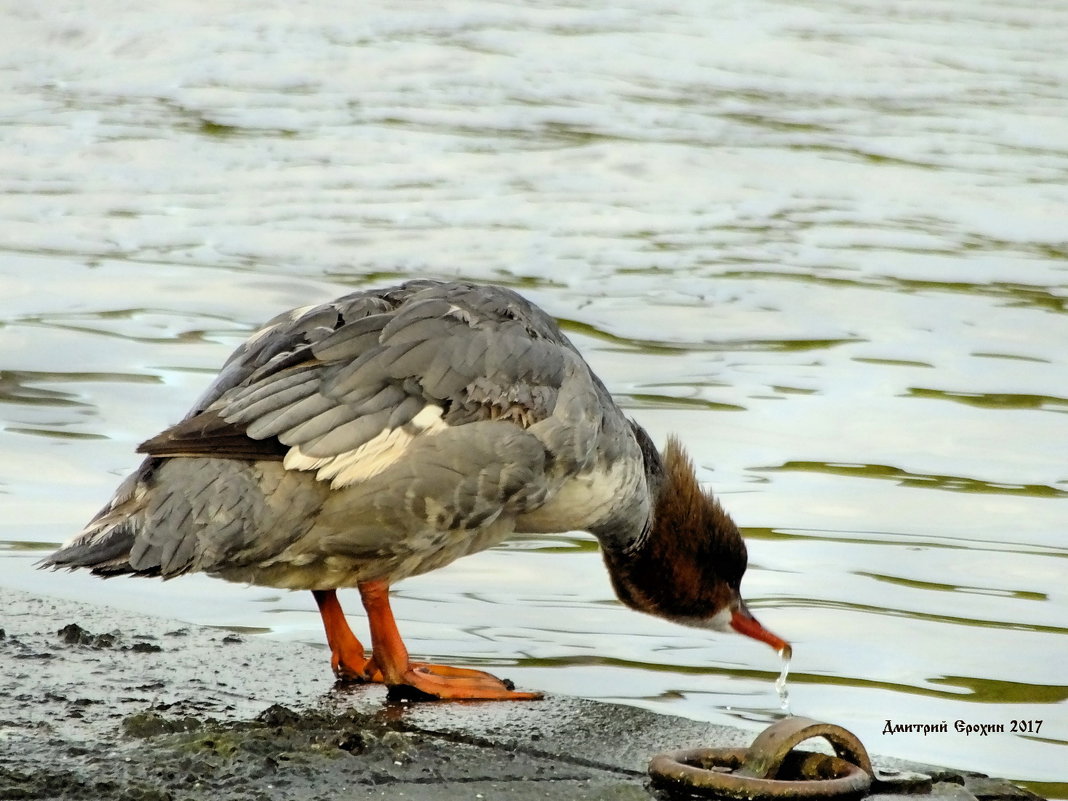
[(441, 682), (418, 680)]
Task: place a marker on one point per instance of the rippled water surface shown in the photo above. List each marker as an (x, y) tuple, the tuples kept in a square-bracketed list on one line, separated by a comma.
[(825, 242)]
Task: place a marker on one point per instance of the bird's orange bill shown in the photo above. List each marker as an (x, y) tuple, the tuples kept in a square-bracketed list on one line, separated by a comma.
[(743, 622)]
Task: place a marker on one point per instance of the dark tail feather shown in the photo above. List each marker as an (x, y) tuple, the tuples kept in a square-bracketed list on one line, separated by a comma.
[(106, 552), (104, 544)]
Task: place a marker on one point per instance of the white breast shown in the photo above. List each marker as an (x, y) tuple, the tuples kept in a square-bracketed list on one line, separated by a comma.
[(583, 501)]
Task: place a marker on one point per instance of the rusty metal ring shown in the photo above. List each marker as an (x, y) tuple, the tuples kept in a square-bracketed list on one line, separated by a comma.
[(713, 772), (776, 741), (753, 773)]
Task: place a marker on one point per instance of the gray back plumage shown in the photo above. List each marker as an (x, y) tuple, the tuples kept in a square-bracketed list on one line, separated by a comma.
[(332, 378), (425, 406)]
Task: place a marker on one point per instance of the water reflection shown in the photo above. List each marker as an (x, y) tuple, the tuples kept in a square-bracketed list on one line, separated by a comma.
[(905, 478), (992, 400)]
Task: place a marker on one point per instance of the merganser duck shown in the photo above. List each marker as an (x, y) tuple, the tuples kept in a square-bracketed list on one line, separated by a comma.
[(392, 431)]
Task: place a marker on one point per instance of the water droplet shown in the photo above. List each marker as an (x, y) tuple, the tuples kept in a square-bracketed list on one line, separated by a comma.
[(786, 652)]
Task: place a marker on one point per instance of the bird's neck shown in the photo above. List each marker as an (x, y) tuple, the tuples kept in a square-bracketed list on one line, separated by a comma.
[(663, 570)]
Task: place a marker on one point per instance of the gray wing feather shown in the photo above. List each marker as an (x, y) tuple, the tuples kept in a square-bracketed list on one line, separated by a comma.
[(331, 380), (416, 326), (388, 399), (346, 438), (209, 514), (454, 480), (353, 337), (411, 357), (273, 398), (404, 411), (405, 325), (520, 413), (285, 417), (320, 425), (345, 380), (275, 392), (288, 340)]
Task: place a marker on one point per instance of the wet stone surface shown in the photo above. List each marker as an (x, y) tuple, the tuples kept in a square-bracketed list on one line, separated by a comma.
[(98, 704), (87, 711)]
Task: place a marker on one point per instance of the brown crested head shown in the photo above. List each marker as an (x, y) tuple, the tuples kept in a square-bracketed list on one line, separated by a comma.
[(688, 567)]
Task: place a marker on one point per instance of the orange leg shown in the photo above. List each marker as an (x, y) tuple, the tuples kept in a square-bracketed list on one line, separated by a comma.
[(347, 657), (436, 681)]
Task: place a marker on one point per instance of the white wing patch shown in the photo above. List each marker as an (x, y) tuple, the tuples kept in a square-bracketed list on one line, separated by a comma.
[(373, 456)]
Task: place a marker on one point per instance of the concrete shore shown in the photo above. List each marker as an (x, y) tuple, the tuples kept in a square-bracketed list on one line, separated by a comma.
[(100, 704)]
